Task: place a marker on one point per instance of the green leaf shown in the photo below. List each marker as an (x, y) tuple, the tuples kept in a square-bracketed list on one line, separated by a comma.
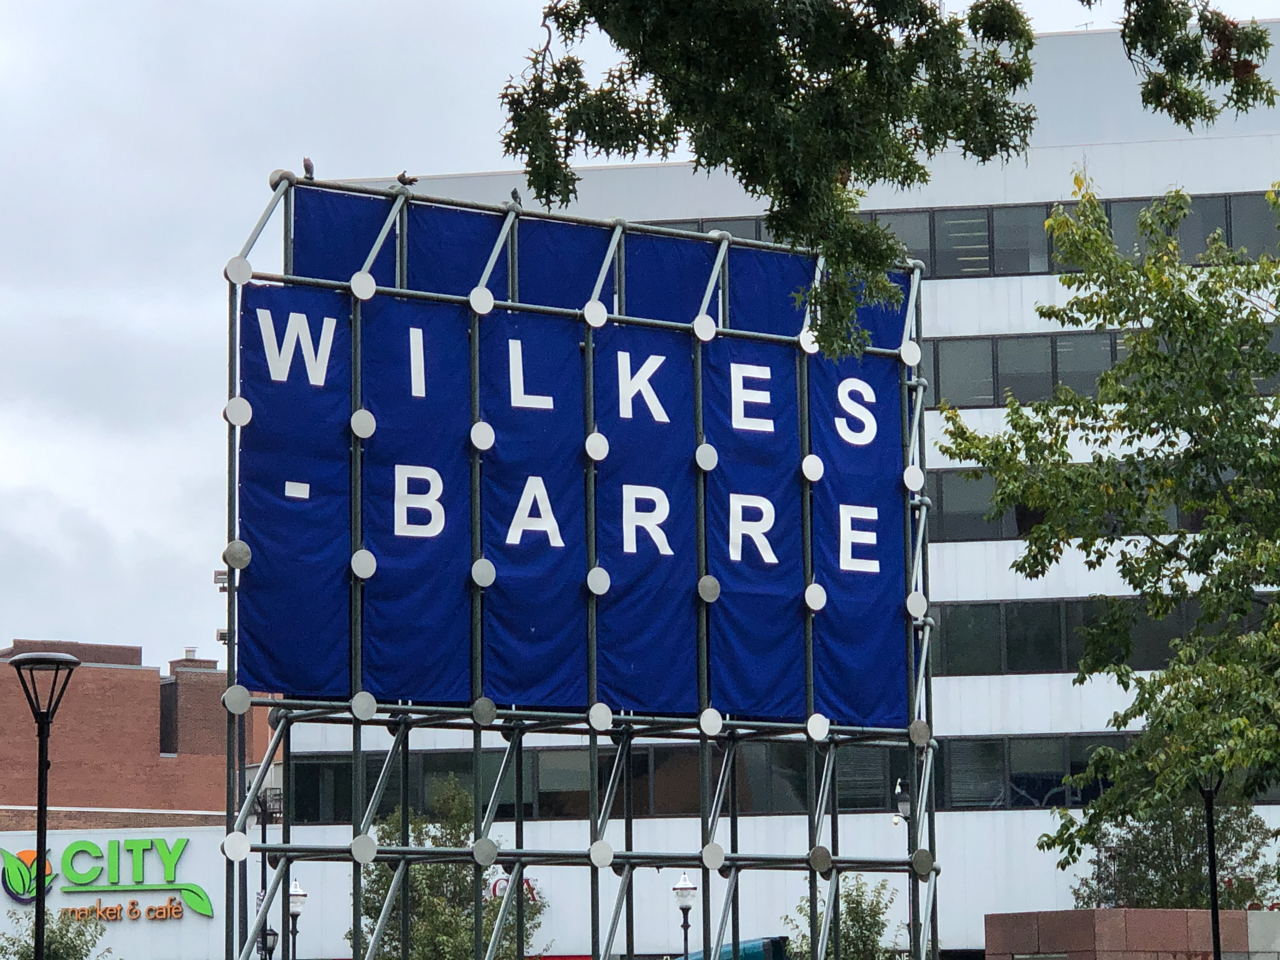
[(196, 899), (17, 876)]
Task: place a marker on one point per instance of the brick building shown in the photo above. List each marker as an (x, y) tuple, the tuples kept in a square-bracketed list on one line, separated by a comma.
[(129, 747)]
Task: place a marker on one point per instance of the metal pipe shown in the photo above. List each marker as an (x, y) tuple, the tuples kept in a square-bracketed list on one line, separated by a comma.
[(281, 188), (725, 912), (497, 248), (824, 793), (926, 924), (491, 812), (833, 895), (726, 767), (376, 939), (384, 777), (608, 261), (922, 670), (382, 234), (251, 942), (618, 903), (513, 888), (259, 778), (715, 277), (611, 789)]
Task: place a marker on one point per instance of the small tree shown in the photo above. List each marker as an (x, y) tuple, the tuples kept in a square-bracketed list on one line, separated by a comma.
[(441, 902), (863, 920), (65, 937), (1158, 860)]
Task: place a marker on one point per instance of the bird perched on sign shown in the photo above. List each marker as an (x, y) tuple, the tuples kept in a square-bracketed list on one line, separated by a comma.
[(308, 169), (405, 179), (515, 194)]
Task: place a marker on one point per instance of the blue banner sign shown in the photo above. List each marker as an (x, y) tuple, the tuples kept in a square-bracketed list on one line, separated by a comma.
[(614, 475)]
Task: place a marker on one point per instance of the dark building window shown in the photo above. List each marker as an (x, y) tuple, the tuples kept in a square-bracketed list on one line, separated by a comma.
[(1021, 244), (1033, 637), (1025, 366), (1207, 215), (960, 507), (962, 243), (1036, 770), (912, 228), (965, 376), (975, 773), (1082, 359), (1124, 225), (968, 634), (743, 227), (1254, 225)]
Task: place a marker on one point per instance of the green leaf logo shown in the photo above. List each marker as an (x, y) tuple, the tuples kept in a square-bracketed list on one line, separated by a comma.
[(196, 899), (18, 879)]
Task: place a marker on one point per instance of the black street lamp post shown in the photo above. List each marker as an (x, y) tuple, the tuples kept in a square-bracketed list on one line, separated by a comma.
[(44, 679), (685, 891)]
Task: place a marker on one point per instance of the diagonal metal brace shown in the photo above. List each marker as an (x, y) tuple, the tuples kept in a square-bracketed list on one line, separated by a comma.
[(375, 941), (608, 261), (715, 277), (824, 792), (251, 943), (281, 188), (617, 912), (513, 891), (726, 910), (611, 791), (497, 247), (382, 234), (491, 812), (722, 784), (833, 893), (384, 777), (260, 777)]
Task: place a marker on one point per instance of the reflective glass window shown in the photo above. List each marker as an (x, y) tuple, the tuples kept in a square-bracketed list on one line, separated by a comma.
[(965, 372), (787, 776), (1151, 640), (564, 782), (1124, 225), (694, 226), (1207, 215), (1036, 769), (1271, 385), (1033, 637), (1025, 367), (862, 777), (1080, 614), (975, 773), (1080, 749), (744, 227), (753, 777), (970, 638), (963, 507), (912, 228), (962, 244), (925, 369), (438, 767), (675, 781), (1082, 358), (1253, 225), (1021, 245)]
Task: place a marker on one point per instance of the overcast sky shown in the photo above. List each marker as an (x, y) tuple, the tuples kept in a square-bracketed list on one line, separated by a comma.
[(137, 140)]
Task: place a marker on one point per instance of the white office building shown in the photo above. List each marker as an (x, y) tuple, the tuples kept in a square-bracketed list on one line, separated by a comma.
[(1009, 718)]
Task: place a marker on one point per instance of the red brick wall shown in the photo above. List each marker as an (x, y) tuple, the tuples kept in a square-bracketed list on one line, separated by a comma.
[(105, 745)]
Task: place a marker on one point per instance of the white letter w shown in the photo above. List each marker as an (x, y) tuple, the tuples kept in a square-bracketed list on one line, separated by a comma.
[(280, 357)]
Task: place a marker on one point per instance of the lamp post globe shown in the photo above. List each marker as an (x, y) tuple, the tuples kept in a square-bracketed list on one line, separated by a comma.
[(44, 678), (686, 892), (270, 939), (297, 900)]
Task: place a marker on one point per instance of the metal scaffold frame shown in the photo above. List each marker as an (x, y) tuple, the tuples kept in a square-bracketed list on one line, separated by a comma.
[(612, 925)]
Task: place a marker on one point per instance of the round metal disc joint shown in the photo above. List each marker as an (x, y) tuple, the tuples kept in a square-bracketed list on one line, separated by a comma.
[(817, 727), (364, 564), (363, 286), (820, 859), (482, 436), (812, 467), (238, 412), (917, 604), (706, 457), (484, 852), (710, 722), (363, 848), (708, 588), (704, 328), (595, 313), (238, 271), (713, 856), (237, 555), (237, 699), (483, 572), (597, 446), (484, 711), (919, 732), (601, 854), (481, 301), (808, 342), (910, 353), (363, 424), (913, 478), (600, 717), (277, 175), (235, 846), (815, 596), (364, 705), (922, 863), (598, 581)]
